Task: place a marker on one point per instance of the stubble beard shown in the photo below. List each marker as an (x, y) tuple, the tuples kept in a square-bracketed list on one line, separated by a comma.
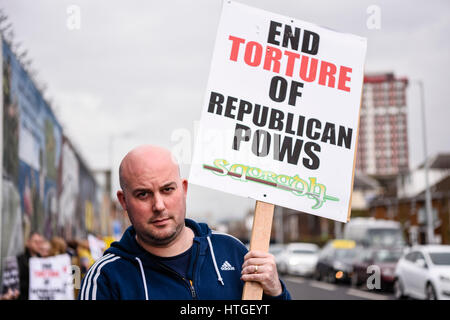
[(161, 238)]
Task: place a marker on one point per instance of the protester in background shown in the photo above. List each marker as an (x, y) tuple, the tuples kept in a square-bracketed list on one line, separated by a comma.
[(33, 248), (45, 249), (84, 254), (10, 279), (10, 295), (85, 259), (58, 246), (72, 250)]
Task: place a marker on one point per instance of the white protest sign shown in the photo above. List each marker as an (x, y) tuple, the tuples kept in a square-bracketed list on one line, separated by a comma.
[(51, 278), (279, 122), (10, 277), (96, 246)]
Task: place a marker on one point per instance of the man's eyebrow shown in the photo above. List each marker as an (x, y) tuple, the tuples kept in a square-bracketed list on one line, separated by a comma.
[(140, 190), (168, 184)]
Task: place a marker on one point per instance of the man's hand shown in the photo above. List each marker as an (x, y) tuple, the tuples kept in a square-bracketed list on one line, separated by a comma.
[(10, 294), (260, 267)]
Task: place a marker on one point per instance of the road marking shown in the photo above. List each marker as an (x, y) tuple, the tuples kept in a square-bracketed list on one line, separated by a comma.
[(295, 279), (321, 285), (366, 295)]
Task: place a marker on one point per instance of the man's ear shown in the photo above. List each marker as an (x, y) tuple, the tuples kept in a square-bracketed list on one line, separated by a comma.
[(184, 183), (121, 198)]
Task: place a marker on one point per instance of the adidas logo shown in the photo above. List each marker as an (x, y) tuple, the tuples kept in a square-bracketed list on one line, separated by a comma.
[(226, 266)]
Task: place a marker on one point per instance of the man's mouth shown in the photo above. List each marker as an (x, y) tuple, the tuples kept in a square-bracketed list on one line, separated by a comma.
[(160, 222)]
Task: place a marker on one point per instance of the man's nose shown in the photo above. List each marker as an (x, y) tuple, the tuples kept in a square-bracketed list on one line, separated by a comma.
[(158, 204)]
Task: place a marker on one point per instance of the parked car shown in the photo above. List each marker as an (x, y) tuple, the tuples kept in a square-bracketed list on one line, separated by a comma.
[(424, 273), (383, 258), (299, 258), (335, 263), (371, 232), (277, 249)]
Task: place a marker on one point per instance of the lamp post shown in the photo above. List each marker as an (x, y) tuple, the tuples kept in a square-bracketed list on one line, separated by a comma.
[(428, 207)]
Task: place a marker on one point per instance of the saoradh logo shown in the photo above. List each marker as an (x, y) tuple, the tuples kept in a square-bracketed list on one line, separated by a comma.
[(295, 184)]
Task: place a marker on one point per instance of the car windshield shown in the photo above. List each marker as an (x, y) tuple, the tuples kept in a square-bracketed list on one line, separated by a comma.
[(275, 250), (387, 256), (302, 251), (385, 237), (345, 254), (440, 258)]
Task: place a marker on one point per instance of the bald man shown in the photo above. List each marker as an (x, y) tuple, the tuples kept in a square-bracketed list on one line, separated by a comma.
[(163, 255)]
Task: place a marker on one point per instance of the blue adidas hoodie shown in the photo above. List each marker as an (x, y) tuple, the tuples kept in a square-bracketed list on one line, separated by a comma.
[(128, 272)]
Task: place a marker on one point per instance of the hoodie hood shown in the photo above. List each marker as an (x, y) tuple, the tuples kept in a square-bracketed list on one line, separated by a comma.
[(127, 271), (129, 249)]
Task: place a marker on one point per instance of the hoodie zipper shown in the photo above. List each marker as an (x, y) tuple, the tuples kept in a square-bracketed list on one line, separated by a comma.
[(191, 286), (194, 295), (187, 282)]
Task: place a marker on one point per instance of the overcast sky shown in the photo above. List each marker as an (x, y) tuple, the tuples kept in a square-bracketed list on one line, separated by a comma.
[(136, 71)]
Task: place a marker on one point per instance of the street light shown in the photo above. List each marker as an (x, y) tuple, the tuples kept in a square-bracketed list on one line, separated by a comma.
[(428, 208)]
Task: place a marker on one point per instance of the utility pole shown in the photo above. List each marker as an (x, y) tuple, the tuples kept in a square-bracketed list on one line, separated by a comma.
[(428, 207)]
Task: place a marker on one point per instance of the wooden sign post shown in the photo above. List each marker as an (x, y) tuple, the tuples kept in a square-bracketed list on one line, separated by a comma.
[(260, 240)]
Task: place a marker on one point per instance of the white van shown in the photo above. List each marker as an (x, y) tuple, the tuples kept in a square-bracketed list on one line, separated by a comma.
[(371, 232)]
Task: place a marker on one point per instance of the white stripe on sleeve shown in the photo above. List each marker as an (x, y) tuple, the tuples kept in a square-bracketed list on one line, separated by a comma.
[(94, 288), (87, 278)]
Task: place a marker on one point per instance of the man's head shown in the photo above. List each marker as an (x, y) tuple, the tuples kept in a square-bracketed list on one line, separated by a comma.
[(34, 243), (45, 249), (153, 194)]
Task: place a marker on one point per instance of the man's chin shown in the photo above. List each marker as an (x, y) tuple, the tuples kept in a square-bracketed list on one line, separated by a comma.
[(161, 238)]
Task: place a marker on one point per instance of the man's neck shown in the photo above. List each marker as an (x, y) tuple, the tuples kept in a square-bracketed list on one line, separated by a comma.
[(179, 245)]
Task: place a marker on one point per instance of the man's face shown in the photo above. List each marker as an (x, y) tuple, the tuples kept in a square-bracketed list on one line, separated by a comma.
[(34, 244), (154, 197), (45, 248)]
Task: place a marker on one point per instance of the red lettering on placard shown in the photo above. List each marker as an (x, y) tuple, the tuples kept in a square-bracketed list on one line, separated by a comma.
[(304, 74), (235, 47), (272, 59), (307, 66), (290, 62), (343, 78), (253, 54), (327, 72)]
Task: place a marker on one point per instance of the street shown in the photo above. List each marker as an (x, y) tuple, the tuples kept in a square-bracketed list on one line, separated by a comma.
[(310, 289)]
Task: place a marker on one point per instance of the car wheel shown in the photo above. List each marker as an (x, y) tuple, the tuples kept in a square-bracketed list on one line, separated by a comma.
[(355, 280), (430, 292), (317, 275), (399, 290), (330, 277)]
